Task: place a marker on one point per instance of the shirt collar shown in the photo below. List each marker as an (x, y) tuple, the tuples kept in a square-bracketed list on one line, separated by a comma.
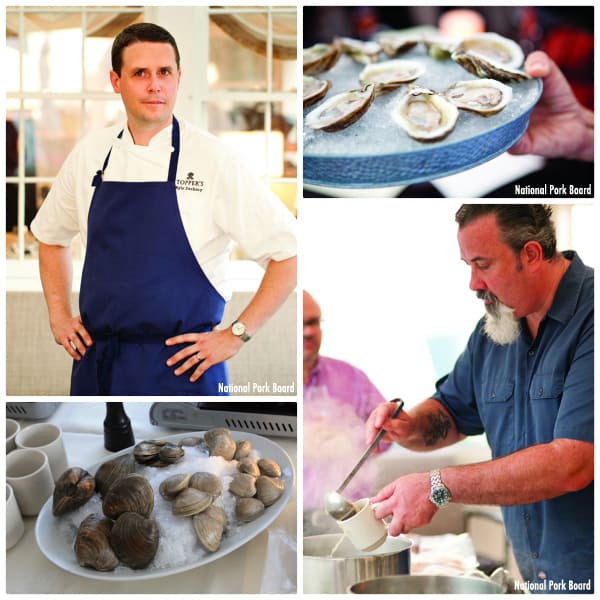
[(567, 294), (162, 137)]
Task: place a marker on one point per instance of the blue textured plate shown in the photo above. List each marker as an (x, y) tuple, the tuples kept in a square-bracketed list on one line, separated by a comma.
[(375, 152)]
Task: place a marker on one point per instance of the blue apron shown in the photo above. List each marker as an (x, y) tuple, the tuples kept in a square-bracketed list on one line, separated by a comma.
[(142, 284)]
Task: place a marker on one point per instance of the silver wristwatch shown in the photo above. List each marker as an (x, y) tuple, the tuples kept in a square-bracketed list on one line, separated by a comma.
[(239, 329), (439, 494)]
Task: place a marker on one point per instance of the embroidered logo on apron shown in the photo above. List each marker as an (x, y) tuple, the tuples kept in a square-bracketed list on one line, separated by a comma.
[(189, 184)]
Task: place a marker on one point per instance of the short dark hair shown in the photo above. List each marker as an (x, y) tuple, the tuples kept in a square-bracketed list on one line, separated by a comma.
[(139, 32), (518, 224)]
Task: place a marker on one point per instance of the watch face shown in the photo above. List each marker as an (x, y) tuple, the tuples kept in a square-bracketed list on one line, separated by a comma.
[(238, 328), (440, 496)]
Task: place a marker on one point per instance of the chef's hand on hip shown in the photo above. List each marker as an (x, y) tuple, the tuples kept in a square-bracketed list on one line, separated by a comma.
[(407, 500), (396, 430), (70, 333), (204, 351)]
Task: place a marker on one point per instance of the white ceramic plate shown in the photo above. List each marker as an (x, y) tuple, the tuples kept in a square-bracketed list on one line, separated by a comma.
[(57, 550)]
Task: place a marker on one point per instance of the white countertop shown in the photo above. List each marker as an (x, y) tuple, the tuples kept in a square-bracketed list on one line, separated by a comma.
[(266, 564)]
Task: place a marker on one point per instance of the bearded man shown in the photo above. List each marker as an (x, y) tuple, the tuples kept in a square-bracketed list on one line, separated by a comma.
[(526, 379)]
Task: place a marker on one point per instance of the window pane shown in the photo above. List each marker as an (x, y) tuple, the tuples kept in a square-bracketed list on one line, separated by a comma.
[(52, 128), (97, 62), (52, 52), (103, 113), (242, 126)]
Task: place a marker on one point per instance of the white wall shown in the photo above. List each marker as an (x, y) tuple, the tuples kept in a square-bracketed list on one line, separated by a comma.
[(390, 282)]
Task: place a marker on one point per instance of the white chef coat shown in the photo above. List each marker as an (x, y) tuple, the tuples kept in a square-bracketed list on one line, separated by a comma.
[(219, 199)]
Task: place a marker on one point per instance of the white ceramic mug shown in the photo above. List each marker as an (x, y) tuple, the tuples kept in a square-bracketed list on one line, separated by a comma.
[(29, 475), (363, 529), (46, 437), (15, 528), (12, 428)]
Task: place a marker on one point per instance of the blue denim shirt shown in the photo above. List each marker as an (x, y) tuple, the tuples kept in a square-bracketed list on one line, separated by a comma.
[(531, 392)]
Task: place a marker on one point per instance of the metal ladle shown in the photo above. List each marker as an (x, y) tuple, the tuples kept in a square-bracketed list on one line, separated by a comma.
[(336, 505)]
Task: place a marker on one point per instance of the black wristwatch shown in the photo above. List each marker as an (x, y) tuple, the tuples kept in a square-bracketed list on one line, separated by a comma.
[(239, 329), (439, 494)]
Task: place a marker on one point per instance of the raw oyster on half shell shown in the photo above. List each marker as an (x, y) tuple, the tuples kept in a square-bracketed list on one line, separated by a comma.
[(341, 110), (425, 115), (491, 56), (319, 58), (313, 90), (391, 73), (483, 96), (362, 52), (395, 42)]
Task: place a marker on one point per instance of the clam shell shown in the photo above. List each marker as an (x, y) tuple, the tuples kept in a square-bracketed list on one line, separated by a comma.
[(209, 526), (243, 485), (249, 465), (269, 489), (220, 443), (92, 544), (171, 486), (72, 490), (132, 493), (171, 453), (134, 539), (207, 482), (190, 502), (248, 509), (242, 447), (341, 110), (269, 467), (113, 470)]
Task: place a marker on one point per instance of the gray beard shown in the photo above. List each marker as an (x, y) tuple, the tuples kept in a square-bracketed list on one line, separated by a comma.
[(500, 324)]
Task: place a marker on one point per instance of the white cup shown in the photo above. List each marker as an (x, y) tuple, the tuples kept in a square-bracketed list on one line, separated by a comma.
[(29, 475), (364, 530), (12, 428), (47, 438), (15, 528)]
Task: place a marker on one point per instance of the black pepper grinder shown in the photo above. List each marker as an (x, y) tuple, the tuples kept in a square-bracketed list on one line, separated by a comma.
[(117, 428)]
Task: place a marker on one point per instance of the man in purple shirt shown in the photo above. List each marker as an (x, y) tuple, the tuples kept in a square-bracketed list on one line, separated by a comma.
[(338, 399)]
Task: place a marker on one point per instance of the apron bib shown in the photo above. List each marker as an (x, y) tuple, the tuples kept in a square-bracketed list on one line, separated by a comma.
[(141, 284)]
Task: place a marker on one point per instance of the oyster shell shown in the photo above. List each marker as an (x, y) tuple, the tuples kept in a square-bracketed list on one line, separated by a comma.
[(483, 96), (362, 52), (220, 443), (133, 493), (207, 482), (269, 489), (243, 485), (113, 470), (391, 73), (341, 110), (313, 90), (209, 526), (394, 42), (92, 545), (134, 538), (495, 48), (492, 56), (319, 58), (269, 467), (72, 490), (190, 502), (425, 115), (171, 486), (248, 509)]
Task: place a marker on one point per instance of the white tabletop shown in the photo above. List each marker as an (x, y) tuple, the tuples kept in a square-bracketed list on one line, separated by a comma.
[(266, 564)]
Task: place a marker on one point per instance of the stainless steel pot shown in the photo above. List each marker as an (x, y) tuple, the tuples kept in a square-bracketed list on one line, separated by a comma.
[(426, 584), (324, 573)]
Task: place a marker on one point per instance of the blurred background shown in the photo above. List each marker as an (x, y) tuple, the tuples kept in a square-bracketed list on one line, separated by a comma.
[(565, 33)]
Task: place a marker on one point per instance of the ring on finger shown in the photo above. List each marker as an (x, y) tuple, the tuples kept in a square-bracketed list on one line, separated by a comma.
[(198, 357), (71, 343)]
